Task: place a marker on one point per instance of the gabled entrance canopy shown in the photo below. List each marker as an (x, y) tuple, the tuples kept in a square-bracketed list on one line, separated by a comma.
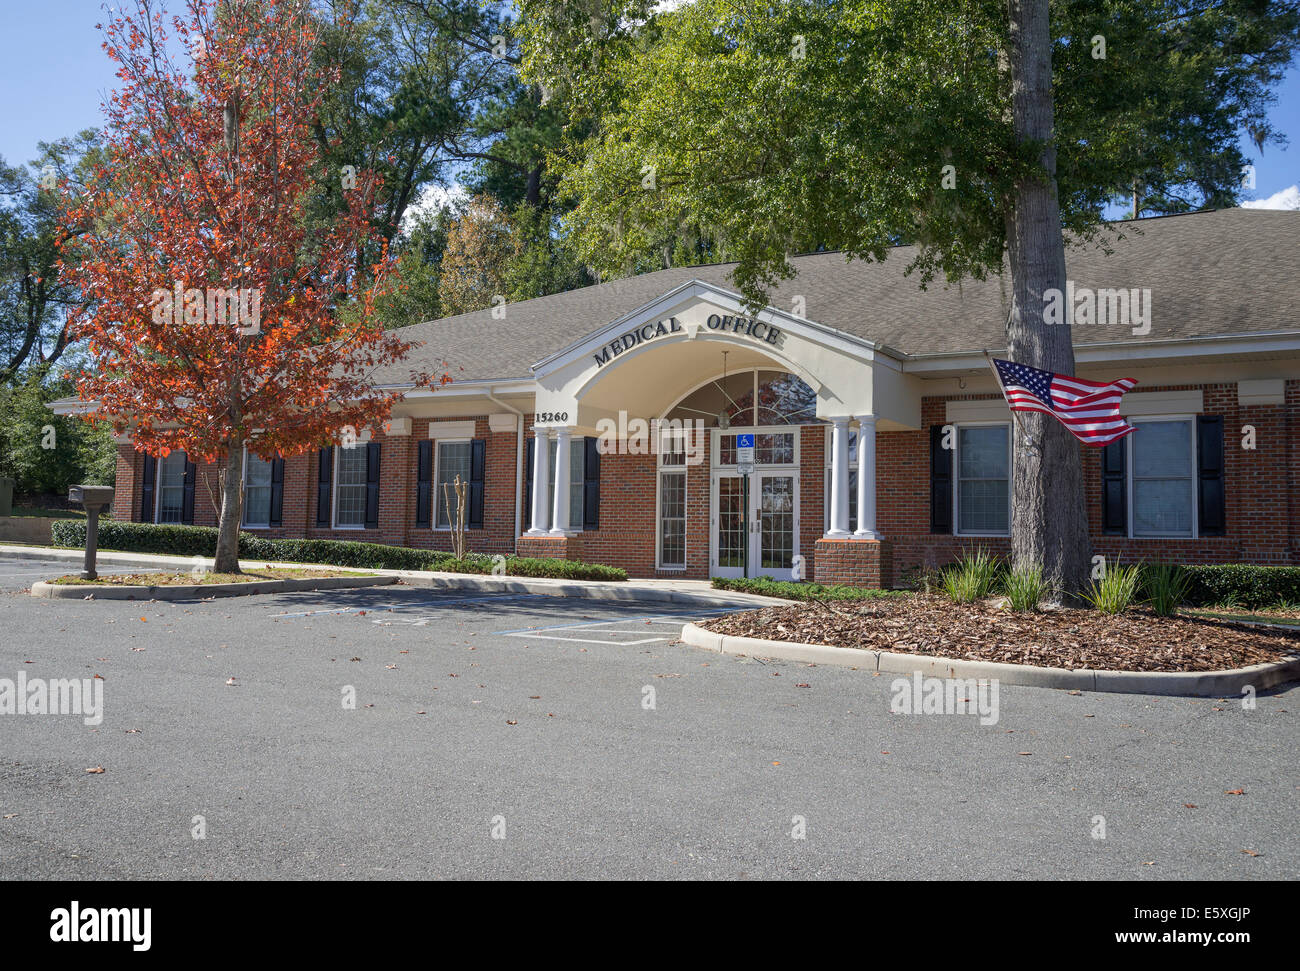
[(648, 359)]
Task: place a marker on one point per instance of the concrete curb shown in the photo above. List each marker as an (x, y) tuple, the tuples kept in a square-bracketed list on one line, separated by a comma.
[(1201, 683), (629, 591), (626, 591), (196, 591)]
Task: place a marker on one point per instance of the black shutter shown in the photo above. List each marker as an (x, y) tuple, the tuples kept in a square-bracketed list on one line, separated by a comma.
[(423, 482), (325, 486), (940, 482), (187, 507), (277, 491), (1114, 488), (148, 477), (1212, 516), (528, 484), (372, 485), (591, 484), (477, 471)]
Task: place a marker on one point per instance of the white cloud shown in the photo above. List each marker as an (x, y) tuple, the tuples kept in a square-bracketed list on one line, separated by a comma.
[(1288, 198)]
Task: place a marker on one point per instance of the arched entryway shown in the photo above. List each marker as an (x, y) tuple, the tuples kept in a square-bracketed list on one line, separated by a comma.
[(753, 419)]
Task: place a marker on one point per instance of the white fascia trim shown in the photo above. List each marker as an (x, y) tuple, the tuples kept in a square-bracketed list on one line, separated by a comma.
[(820, 333), (73, 406), (1100, 353)]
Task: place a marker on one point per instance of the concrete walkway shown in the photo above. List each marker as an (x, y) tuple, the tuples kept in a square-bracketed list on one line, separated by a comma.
[(693, 592)]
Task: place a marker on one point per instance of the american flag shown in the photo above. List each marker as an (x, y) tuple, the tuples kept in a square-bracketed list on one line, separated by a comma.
[(1089, 409)]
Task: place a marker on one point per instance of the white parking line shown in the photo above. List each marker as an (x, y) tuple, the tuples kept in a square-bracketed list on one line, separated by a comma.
[(591, 640)]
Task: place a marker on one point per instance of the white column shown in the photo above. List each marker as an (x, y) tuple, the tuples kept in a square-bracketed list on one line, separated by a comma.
[(839, 479), (541, 477), (866, 478), (560, 517)]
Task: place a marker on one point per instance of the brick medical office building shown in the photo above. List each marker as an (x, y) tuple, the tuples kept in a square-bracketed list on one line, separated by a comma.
[(847, 382)]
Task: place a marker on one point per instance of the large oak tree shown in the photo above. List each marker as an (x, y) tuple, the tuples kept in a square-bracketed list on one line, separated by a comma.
[(985, 132)]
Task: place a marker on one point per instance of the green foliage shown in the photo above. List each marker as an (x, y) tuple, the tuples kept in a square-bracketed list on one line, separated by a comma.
[(202, 541), (973, 578), (795, 126), (1116, 591), (797, 590), (80, 453), (1164, 587), (1026, 588), (1241, 585)]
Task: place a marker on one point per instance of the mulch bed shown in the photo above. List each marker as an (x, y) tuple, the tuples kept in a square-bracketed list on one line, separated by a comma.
[(1060, 638)]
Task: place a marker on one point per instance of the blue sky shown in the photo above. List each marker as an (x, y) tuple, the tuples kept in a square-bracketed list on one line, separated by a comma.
[(54, 76)]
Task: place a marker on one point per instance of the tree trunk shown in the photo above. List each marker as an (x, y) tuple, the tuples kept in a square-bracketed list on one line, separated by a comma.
[(1049, 519), (227, 560)]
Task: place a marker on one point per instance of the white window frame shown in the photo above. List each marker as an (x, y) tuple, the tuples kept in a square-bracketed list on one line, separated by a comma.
[(660, 471), (956, 473), (363, 448), (438, 499), (157, 487), (1130, 467), (243, 496)]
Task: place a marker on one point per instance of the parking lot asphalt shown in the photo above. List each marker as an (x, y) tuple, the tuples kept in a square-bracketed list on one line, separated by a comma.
[(539, 737)]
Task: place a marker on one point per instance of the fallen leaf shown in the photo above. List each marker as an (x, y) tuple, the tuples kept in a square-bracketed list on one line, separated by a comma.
[(1234, 792), (510, 722), (1250, 852), (1189, 805), (97, 770)]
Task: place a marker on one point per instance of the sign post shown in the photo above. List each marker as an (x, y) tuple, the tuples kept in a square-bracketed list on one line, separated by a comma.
[(745, 466)]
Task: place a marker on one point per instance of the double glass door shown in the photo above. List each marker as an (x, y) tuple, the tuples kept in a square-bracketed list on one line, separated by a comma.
[(755, 529)]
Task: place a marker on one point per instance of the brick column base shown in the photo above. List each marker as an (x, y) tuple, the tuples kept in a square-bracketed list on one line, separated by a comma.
[(853, 562), (550, 547)]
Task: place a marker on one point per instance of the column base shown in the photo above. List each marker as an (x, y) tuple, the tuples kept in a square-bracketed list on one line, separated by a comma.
[(853, 562), (546, 546)]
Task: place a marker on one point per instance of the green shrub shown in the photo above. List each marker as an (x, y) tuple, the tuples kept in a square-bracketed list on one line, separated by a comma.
[(797, 590), (1025, 587), (1164, 587), (1115, 591), (973, 578), (202, 541), (1242, 585)]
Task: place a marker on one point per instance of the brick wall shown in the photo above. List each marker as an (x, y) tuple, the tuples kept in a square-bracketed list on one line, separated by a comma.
[(1263, 501)]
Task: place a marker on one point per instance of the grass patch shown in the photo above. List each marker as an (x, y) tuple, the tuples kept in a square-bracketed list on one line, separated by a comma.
[(798, 590), (182, 579), (36, 512)]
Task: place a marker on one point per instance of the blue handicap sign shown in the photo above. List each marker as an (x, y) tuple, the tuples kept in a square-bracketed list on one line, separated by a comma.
[(744, 441)]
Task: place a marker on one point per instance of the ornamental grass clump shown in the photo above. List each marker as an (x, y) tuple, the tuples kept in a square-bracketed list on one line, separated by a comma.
[(972, 578), (1025, 588), (1165, 587), (1115, 592)]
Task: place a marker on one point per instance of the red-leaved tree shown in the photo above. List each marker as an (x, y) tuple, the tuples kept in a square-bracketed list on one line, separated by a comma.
[(214, 322)]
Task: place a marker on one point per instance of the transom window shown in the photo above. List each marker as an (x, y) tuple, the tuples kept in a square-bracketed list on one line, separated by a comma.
[(171, 487), (257, 490), (750, 398), (983, 493), (1164, 469), (350, 487), (770, 448)]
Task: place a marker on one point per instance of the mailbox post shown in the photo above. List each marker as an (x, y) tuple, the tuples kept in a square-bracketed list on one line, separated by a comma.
[(94, 499)]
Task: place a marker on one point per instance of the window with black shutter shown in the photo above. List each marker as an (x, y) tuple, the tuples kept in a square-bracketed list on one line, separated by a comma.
[(1212, 517), (325, 486), (187, 500), (940, 482), (477, 474), (1114, 488), (277, 491), (148, 476), (372, 485), (591, 483), (424, 483), (528, 484)]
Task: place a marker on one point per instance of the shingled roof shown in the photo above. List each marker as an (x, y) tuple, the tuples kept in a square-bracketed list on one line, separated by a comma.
[(1215, 273)]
